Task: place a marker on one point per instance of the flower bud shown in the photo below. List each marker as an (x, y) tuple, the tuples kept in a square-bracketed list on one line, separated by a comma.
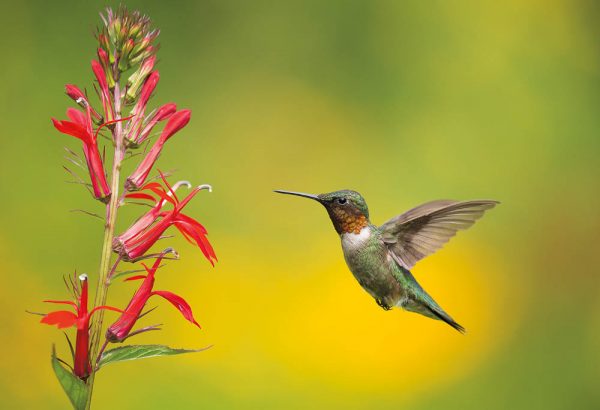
[(134, 30), (103, 41), (163, 113), (175, 123), (124, 59), (76, 94), (103, 81), (103, 57), (127, 39), (137, 78), (79, 97), (114, 27)]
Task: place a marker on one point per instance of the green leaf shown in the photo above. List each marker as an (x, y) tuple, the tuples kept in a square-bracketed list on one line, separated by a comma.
[(129, 272), (126, 272), (76, 389), (135, 352)]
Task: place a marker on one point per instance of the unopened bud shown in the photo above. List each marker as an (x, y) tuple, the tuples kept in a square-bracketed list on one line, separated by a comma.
[(103, 57), (79, 97), (76, 94), (113, 30), (103, 40), (125, 51), (110, 79), (134, 30), (136, 79)]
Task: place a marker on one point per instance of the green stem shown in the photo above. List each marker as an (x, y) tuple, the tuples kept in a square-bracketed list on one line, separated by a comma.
[(109, 232)]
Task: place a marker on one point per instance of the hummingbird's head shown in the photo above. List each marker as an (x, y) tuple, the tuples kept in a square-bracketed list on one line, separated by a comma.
[(347, 209)]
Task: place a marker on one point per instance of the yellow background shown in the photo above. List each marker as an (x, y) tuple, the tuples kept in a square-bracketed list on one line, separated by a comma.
[(402, 101)]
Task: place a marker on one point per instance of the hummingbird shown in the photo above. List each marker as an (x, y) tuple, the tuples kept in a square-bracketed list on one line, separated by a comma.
[(381, 257)]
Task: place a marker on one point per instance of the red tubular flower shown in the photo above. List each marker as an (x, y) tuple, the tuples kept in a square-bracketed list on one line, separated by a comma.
[(104, 92), (80, 127), (149, 217), (135, 241), (75, 93), (79, 97), (163, 113), (81, 320), (121, 329), (103, 55), (175, 123), (139, 109), (147, 90), (148, 65), (104, 43), (135, 81)]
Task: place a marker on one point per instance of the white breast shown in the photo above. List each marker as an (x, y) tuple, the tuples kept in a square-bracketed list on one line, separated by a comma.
[(352, 241)]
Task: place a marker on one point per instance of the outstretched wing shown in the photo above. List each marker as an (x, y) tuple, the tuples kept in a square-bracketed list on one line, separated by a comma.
[(426, 228)]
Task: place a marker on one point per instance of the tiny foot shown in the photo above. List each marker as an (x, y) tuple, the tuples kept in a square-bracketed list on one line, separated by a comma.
[(383, 305)]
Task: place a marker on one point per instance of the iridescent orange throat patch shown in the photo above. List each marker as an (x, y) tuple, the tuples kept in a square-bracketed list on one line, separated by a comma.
[(347, 220)]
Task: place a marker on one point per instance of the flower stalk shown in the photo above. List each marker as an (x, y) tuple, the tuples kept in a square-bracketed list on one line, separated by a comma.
[(109, 231), (124, 43)]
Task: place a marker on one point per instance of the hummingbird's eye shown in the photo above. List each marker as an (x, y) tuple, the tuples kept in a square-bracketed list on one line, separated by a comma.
[(342, 201)]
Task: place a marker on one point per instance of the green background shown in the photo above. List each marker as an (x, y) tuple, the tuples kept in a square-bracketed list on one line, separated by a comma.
[(404, 102)]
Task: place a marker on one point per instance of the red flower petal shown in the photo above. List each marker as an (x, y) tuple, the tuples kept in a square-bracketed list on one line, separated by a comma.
[(72, 129), (104, 307), (76, 116), (165, 112), (185, 234), (162, 194), (158, 190), (179, 303), (147, 90), (177, 121), (152, 184), (141, 195), (136, 277), (61, 318), (169, 187), (74, 92), (192, 222), (188, 226)]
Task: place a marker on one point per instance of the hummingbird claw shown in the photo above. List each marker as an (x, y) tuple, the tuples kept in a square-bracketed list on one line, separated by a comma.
[(383, 305)]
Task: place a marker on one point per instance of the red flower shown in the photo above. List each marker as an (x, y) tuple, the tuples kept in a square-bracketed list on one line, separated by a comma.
[(163, 113), (149, 217), (103, 55), (104, 91), (139, 110), (135, 241), (175, 123), (80, 98), (147, 90), (121, 329), (81, 320), (135, 81), (80, 127)]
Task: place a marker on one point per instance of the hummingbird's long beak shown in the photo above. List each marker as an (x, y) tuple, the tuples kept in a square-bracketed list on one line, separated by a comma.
[(311, 196)]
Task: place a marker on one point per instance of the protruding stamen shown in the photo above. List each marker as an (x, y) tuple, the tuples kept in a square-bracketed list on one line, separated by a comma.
[(171, 251), (177, 184)]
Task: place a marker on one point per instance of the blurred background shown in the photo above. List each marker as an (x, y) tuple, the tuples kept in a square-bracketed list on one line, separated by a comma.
[(404, 102)]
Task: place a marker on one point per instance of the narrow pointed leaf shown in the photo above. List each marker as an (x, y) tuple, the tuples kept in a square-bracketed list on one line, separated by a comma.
[(126, 272), (74, 387), (135, 352)]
